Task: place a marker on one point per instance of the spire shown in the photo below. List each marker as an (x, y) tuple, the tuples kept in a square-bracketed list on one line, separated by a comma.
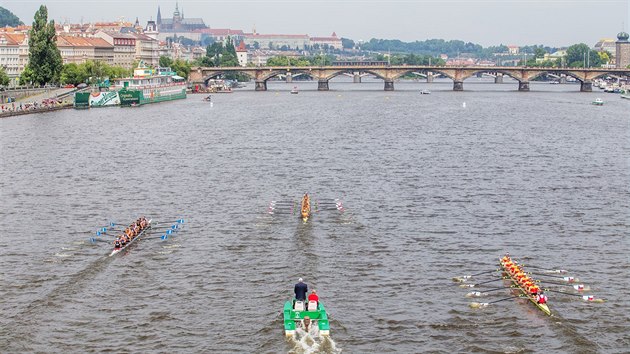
[(159, 16)]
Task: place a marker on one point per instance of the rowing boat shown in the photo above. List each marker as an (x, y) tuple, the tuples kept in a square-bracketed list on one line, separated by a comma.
[(116, 250), (295, 313), (305, 207), (543, 307)]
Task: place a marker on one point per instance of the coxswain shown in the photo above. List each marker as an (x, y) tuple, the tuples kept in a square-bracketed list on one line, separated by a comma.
[(541, 298)]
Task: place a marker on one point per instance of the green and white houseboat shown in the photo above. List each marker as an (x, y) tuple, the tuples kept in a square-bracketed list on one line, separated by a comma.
[(295, 313), (145, 86)]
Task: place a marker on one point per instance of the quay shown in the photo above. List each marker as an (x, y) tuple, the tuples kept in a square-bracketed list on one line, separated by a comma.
[(390, 73)]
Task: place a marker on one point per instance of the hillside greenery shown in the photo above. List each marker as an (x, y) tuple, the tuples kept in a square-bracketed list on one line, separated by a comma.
[(7, 18)]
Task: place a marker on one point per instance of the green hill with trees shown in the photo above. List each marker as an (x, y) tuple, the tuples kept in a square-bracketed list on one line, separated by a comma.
[(7, 18)]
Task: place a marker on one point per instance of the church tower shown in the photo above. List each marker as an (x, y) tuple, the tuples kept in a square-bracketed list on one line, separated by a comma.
[(159, 17)]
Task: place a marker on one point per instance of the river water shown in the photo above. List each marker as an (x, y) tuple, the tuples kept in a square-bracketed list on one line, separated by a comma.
[(433, 189)]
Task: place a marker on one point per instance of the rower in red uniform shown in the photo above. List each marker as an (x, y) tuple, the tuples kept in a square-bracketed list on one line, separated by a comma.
[(313, 296), (541, 298)]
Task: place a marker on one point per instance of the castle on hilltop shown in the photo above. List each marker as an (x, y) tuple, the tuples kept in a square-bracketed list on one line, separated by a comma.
[(178, 23)]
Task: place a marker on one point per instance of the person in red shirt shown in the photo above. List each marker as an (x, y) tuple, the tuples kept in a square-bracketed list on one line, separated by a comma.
[(313, 296)]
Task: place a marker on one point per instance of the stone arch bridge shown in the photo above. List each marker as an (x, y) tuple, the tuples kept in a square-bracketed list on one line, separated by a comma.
[(389, 73)]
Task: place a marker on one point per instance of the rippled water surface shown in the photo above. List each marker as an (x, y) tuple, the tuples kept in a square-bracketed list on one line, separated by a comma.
[(432, 189)]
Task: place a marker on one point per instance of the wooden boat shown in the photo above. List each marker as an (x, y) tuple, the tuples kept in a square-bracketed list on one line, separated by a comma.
[(295, 313), (543, 307), (117, 250), (305, 207)]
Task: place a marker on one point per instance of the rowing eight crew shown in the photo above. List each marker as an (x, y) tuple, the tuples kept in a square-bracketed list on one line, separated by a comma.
[(527, 283), (130, 233)]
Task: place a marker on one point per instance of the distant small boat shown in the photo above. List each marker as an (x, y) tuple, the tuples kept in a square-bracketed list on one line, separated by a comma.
[(295, 90), (626, 96), (598, 102), (425, 92)]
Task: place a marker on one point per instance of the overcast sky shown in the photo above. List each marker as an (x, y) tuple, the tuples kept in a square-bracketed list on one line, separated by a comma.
[(487, 22)]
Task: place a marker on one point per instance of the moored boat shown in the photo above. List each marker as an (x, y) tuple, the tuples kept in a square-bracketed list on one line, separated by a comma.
[(301, 313), (147, 85), (119, 249), (543, 307)]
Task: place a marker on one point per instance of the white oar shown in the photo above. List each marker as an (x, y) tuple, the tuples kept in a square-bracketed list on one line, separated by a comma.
[(463, 278), (567, 279), (557, 271), (482, 293), (589, 298), (578, 287), (484, 282), (485, 304)]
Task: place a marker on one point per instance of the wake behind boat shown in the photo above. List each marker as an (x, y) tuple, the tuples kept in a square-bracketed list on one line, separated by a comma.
[(298, 313)]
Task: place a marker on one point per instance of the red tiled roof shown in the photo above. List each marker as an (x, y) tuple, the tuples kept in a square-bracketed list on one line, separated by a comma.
[(13, 38), (71, 41)]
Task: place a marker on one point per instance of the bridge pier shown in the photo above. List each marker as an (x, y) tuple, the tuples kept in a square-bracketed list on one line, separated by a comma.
[(586, 86), (389, 85), (289, 78), (429, 77), (523, 86), (356, 78), (261, 85), (498, 79), (458, 86), (563, 79), (322, 85)]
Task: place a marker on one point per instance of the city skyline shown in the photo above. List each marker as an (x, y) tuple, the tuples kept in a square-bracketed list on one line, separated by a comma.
[(489, 22)]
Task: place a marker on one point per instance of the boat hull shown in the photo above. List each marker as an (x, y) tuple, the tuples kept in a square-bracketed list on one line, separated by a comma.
[(543, 307), (292, 318), (118, 250), (305, 208)]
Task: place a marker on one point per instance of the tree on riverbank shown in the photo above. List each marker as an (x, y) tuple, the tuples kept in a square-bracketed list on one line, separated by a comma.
[(4, 78), (181, 67), (7, 18), (44, 59), (581, 55), (92, 72)]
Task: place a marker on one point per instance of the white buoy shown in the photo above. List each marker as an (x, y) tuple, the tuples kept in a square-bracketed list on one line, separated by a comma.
[(464, 104)]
